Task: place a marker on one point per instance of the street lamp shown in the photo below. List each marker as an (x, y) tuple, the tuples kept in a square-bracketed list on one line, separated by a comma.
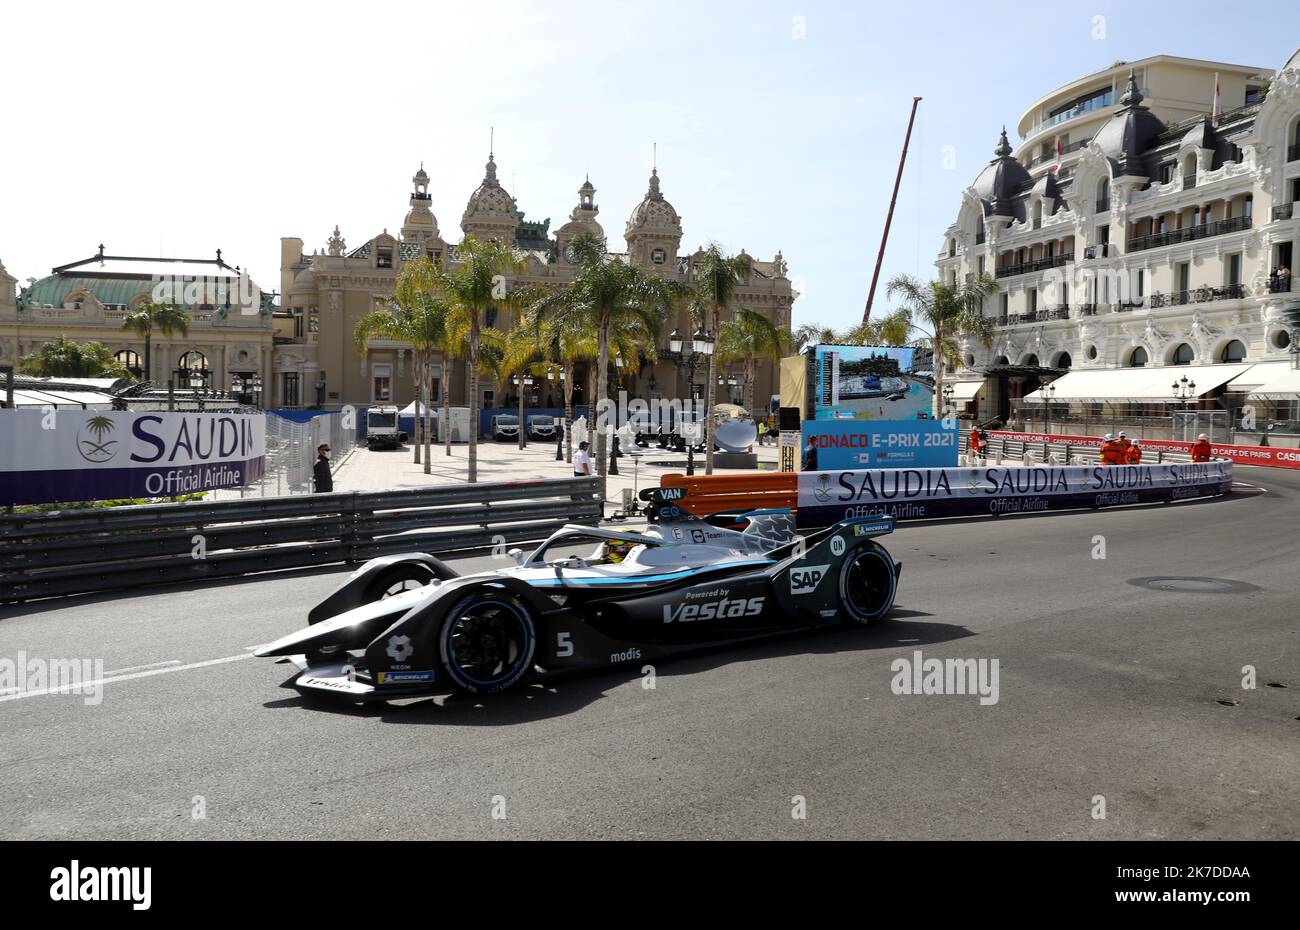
[(1184, 391), (1049, 395), (520, 385), (701, 348)]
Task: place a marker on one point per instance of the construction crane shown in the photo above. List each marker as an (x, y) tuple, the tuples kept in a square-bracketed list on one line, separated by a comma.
[(889, 217)]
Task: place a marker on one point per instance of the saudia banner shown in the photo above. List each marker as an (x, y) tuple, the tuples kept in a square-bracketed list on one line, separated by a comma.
[(60, 455), (1276, 456), (827, 497)]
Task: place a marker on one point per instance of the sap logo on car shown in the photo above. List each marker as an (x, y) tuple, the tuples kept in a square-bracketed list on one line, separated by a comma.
[(806, 579), (715, 610), (395, 678)]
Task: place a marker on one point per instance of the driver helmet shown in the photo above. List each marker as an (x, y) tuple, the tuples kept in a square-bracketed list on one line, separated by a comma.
[(616, 550)]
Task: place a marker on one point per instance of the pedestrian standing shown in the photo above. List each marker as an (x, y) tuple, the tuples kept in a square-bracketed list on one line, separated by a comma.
[(322, 477), (582, 461), (1200, 449), (1133, 455)]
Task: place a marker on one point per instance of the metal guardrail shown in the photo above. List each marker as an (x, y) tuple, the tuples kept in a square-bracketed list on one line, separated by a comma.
[(48, 554), (1018, 451)]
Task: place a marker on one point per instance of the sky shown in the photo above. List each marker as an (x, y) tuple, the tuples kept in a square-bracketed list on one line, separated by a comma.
[(174, 129)]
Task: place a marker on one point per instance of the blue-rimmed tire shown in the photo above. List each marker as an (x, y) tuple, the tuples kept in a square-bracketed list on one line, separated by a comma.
[(487, 642), (868, 583)]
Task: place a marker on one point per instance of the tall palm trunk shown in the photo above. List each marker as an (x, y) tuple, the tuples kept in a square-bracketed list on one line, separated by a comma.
[(568, 413), (416, 444), (708, 400), (423, 407), (445, 386), (148, 357), (521, 413), (602, 390), (751, 372), (591, 404), (473, 397), (939, 374)]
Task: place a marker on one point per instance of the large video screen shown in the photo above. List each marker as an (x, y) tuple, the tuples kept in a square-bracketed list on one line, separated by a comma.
[(870, 383)]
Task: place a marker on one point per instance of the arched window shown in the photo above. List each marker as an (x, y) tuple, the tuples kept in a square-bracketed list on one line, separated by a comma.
[(1032, 361), (1183, 355), (1063, 360), (1234, 351), (1001, 360), (1103, 195), (131, 361), (192, 370), (1138, 358)]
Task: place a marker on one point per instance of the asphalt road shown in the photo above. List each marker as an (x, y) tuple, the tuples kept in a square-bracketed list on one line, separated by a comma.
[(1106, 689)]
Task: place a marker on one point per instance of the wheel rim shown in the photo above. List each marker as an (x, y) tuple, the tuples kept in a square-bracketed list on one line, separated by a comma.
[(868, 584), (487, 642)]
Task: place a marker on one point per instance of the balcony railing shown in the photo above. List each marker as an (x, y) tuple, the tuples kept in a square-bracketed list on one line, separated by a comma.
[(1189, 181), (1279, 284), (1200, 295), (1097, 251), (1283, 211), (1059, 312), (1174, 237), (1040, 264)]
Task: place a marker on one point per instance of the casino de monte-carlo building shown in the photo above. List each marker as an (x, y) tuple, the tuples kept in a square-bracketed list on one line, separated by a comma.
[(326, 292), (227, 347), (1134, 235)]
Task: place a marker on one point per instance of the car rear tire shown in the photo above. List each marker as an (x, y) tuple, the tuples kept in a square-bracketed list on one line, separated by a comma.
[(396, 579), (487, 642), (868, 583)]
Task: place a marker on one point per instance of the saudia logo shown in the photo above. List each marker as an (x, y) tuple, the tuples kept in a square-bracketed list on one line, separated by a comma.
[(92, 444), (716, 610), (805, 580)]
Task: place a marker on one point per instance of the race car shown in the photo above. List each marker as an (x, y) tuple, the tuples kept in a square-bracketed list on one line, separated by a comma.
[(408, 624)]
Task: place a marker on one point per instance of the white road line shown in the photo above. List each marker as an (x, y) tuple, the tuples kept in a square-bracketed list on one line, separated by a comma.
[(141, 668), (81, 687)]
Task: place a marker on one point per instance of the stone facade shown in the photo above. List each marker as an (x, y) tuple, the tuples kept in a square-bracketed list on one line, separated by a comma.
[(327, 292), (1150, 239)]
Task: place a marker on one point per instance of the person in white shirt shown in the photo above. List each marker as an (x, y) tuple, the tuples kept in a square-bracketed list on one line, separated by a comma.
[(582, 462)]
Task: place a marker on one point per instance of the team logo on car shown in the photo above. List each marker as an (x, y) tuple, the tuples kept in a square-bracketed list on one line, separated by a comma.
[(400, 648), (806, 579)]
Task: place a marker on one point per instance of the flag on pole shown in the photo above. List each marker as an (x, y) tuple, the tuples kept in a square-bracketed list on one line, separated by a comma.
[(1218, 102), (1059, 152)]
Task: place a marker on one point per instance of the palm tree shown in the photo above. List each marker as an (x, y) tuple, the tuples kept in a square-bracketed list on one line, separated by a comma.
[(717, 279), (422, 324), (61, 358), (748, 338), (894, 329), (942, 313), (608, 296), (165, 318), (811, 334), (566, 346), (477, 286)]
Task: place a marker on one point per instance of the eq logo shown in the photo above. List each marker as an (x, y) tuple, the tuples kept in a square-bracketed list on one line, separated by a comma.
[(805, 580)]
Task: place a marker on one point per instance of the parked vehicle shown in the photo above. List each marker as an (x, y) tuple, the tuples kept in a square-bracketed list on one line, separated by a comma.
[(505, 427), (541, 426), (381, 428)]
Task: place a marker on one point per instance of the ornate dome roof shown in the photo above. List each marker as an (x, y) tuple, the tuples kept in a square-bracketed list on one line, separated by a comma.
[(490, 203), (654, 213), (999, 184), (1127, 137)]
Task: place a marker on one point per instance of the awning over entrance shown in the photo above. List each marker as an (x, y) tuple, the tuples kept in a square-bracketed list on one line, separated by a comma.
[(1137, 385), (965, 391), (1282, 383)]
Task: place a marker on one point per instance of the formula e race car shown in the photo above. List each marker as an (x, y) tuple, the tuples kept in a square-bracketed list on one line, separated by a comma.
[(408, 624)]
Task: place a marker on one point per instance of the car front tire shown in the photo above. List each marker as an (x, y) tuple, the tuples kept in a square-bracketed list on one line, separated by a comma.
[(868, 583), (487, 642)]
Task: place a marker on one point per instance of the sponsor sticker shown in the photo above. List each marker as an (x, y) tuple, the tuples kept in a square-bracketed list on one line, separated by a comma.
[(805, 579), (396, 678)]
